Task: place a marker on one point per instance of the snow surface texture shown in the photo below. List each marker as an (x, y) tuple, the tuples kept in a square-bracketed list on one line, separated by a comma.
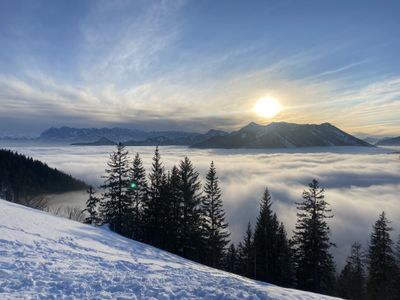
[(47, 257)]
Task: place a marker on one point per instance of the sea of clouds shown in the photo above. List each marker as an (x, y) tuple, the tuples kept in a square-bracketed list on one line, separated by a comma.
[(359, 183)]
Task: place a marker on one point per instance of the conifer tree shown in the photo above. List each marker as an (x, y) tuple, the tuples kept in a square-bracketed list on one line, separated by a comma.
[(314, 265), (115, 204), (231, 259), (191, 242), (172, 196), (381, 262), (397, 257), (152, 210), (265, 239), (91, 207), (245, 254), (351, 283), (397, 252), (284, 275), (138, 197), (215, 233)]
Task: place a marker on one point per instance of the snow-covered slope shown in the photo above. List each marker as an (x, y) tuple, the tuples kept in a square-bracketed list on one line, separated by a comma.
[(43, 256)]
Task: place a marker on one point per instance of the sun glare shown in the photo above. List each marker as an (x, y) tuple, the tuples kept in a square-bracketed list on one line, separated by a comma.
[(267, 107)]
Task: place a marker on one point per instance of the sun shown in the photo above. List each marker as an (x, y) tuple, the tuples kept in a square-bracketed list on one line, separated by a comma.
[(267, 107)]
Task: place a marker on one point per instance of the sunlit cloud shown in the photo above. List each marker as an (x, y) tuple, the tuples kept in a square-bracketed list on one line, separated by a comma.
[(141, 63)]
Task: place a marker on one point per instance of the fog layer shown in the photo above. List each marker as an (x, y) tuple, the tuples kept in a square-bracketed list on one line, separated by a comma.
[(360, 183)]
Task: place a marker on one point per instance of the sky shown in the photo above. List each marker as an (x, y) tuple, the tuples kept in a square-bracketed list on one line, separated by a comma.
[(196, 65)]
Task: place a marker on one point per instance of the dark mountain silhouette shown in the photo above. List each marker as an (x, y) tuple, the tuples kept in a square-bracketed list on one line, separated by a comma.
[(283, 135)]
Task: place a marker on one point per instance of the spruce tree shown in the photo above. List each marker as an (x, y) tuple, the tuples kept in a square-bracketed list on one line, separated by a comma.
[(381, 262), (265, 235), (215, 233), (172, 198), (91, 207), (231, 260), (153, 210), (397, 252), (397, 257), (138, 197), (245, 254), (115, 204), (351, 283), (190, 239), (284, 275), (314, 265)]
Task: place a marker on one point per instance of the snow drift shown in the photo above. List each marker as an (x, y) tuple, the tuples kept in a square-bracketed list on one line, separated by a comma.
[(43, 256)]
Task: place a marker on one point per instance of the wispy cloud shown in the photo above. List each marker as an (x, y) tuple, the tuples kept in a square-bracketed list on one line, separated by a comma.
[(134, 65)]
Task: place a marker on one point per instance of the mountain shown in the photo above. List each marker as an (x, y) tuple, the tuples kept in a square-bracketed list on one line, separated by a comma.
[(283, 135), (76, 135), (100, 142), (163, 140), (395, 141), (92, 135), (48, 257)]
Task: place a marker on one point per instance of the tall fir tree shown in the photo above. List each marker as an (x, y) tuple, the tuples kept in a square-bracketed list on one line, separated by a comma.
[(214, 225), (245, 254), (91, 207), (153, 207), (314, 267), (284, 275), (190, 239), (138, 197), (397, 252), (397, 257), (231, 260), (381, 282), (172, 198), (351, 283), (265, 241), (115, 204)]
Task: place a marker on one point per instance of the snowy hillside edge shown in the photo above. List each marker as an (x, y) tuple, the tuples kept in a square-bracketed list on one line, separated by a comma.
[(43, 256)]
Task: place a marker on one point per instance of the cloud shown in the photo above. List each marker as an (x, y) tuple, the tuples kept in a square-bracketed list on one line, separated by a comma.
[(360, 183)]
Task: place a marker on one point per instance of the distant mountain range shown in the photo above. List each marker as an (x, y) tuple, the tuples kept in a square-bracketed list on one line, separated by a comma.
[(283, 135), (192, 139), (89, 135), (274, 135), (395, 141)]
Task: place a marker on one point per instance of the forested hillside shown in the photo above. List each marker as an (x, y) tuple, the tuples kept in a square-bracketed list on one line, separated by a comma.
[(23, 177)]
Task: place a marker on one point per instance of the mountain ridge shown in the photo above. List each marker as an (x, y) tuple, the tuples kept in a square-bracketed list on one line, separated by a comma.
[(283, 135), (253, 135)]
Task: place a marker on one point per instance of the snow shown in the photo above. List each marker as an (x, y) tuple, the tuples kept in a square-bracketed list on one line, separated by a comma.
[(47, 257)]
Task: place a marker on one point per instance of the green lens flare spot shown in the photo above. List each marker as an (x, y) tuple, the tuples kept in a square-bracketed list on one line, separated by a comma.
[(134, 185)]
